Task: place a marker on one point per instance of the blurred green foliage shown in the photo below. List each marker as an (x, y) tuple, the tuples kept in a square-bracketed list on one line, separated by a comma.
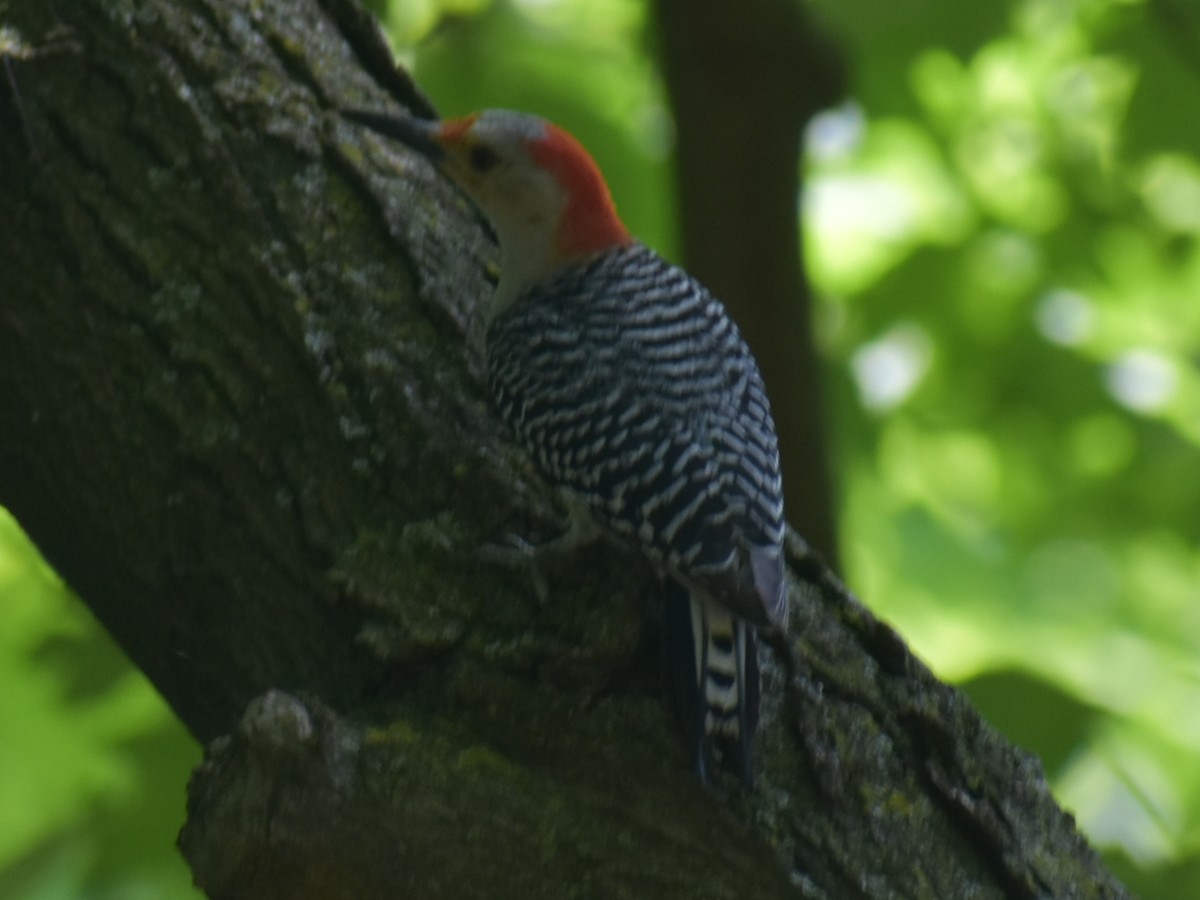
[(1010, 273), (1003, 222), (93, 764)]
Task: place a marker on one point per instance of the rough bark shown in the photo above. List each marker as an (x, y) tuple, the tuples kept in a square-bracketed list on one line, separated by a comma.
[(238, 413)]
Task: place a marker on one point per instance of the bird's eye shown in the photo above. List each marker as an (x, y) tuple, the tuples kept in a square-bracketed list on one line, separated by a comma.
[(482, 159)]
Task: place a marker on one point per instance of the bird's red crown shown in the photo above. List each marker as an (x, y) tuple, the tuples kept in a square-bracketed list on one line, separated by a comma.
[(589, 222)]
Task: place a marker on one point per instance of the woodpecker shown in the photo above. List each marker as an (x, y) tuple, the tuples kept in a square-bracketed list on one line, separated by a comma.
[(630, 387)]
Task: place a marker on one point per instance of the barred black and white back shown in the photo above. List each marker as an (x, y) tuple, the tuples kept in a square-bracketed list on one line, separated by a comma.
[(629, 385)]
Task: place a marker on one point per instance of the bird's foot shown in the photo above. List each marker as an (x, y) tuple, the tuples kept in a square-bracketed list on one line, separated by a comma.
[(517, 553)]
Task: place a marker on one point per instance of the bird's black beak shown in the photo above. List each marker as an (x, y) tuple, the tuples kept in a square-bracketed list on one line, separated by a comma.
[(419, 134)]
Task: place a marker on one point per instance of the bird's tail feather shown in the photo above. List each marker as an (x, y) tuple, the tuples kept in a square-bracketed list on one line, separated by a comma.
[(712, 682)]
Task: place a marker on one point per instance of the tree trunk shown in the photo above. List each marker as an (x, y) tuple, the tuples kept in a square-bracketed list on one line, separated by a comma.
[(239, 414), (743, 87)]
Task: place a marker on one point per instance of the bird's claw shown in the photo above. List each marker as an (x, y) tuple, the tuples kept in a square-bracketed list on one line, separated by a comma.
[(516, 553)]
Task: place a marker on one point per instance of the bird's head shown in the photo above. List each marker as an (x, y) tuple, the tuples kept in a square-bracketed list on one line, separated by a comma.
[(535, 183)]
